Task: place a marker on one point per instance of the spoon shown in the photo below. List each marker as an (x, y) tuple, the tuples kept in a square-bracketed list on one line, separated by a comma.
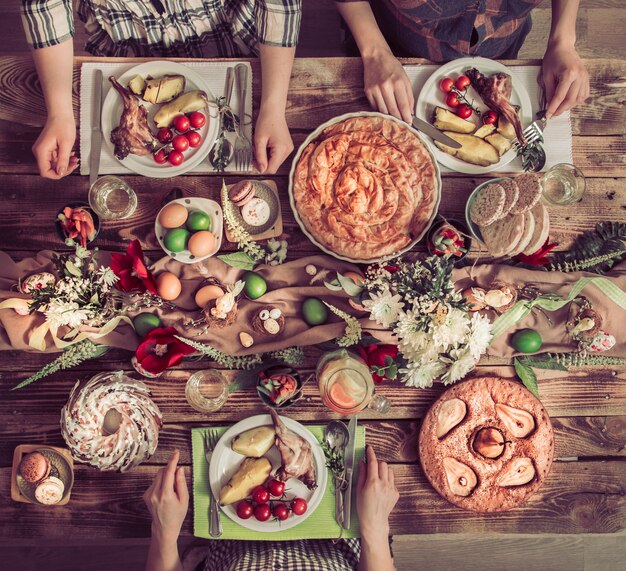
[(221, 152), (337, 437)]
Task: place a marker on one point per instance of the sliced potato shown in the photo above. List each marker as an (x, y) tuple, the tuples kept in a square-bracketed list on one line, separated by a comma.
[(484, 131), (254, 442), (137, 85), (473, 150), (185, 103), (502, 144), (506, 129), (164, 89), (447, 121), (252, 473)]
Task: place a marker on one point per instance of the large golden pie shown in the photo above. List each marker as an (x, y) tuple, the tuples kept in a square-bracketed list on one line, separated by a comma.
[(366, 187)]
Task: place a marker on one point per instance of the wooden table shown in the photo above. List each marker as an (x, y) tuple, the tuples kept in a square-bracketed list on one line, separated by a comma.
[(586, 491)]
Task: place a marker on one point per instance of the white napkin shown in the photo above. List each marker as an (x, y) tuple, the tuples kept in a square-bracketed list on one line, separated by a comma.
[(557, 134), (214, 73)]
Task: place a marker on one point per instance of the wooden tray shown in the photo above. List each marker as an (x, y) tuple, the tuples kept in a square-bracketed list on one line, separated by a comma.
[(273, 232), (20, 451)]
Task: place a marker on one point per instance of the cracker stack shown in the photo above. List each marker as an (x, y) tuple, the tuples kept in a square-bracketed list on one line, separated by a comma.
[(511, 219)]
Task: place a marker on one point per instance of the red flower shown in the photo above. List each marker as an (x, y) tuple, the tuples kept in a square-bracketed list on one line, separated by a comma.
[(538, 258), (392, 269), (377, 359), (160, 350), (132, 271)]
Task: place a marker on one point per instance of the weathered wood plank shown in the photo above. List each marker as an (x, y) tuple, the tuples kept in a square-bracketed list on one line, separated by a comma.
[(30, 204), (394, 441), (578, 497)]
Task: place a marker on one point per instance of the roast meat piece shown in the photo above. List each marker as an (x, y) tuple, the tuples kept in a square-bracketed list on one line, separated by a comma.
[(295, 454), (495, 91), (133, 135)]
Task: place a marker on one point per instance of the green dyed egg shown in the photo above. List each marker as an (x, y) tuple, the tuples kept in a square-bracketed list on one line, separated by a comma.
[(145, 322), (199, 220), (255, 285), (176, 240), (526, 341), (314, 311)]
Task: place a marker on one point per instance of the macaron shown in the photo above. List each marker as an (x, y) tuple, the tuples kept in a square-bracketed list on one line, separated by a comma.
[(241, 193), (34, 467), (50, 491)]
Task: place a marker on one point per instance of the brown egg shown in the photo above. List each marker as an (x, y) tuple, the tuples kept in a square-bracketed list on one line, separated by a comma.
[(201, 243), (173, 215), (206, 294), (168, 286)]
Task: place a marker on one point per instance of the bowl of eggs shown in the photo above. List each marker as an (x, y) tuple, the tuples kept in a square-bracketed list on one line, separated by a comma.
[(190, 229)]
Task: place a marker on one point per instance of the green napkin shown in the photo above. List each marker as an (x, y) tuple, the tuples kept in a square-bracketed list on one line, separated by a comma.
[(320, 524)]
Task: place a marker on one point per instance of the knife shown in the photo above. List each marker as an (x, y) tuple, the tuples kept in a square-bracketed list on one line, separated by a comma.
[(349, 460), (434, 133), (96, 131)]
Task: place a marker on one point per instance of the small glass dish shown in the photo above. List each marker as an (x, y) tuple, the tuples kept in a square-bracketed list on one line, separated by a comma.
[(278, 379), (458, 231), (60, 226), (207, 390)]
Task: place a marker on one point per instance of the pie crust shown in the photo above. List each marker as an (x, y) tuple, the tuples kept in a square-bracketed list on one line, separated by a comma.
[(480, 396), (366, 187)]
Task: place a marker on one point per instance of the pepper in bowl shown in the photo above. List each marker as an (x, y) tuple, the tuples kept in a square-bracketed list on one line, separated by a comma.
[(449, 238), (279, 386)]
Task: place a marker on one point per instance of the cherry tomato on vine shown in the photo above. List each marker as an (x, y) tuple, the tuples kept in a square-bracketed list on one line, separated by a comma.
[(175, 158), (462, 82), (197, 120), (245, 509), (180, 143), (464, 111), (276, 488), (260, 495), (298, 506), (181, 123), (194, 138), (164, 135), (446, 84), (160, 158), (262, 512), (452, 100), (490, 117), (281, 511)]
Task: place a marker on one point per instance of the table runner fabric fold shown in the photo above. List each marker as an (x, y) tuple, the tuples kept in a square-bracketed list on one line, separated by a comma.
[(214, 73), (320, 524), (557, 134)]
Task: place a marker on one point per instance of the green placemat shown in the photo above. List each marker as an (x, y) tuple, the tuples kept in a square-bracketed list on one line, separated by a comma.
[(320, 524)]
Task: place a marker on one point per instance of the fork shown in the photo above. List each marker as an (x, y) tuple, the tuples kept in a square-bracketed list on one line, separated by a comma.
[(243, 147), (215, 524), (533, 132)]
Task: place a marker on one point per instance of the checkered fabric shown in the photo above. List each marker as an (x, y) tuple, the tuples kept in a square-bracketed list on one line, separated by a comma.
[(445, 30), (166, 28)]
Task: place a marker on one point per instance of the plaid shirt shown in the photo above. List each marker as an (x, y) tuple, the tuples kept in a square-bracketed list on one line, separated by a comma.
[(166, 28), (309, 555), (449, 29)]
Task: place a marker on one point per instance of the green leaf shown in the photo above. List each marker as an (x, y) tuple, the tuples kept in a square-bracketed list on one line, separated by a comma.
[(240, 260), (527, 376), (349, 286), (72, 269), (543, 362), (333, 287)]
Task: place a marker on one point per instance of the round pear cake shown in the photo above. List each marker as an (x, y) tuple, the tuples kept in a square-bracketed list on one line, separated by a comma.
[(365, 187), (486, 444)]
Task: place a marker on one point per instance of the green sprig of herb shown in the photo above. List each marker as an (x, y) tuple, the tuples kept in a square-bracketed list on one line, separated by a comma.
[(334, 459)]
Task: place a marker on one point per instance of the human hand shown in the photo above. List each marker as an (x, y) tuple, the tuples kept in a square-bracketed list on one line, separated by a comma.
[(376, 496), (272, 141), (387, 86), (565, 78), (53, 147), (167, 500)]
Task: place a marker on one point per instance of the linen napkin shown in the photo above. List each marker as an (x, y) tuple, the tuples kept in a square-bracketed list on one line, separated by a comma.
[(557, 134), (320, 524), (214, 73)]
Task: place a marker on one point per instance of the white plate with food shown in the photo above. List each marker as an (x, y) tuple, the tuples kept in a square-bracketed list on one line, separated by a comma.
[(189, 228), (256, 458), (364, 187), (168, 89), (494, 150)]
